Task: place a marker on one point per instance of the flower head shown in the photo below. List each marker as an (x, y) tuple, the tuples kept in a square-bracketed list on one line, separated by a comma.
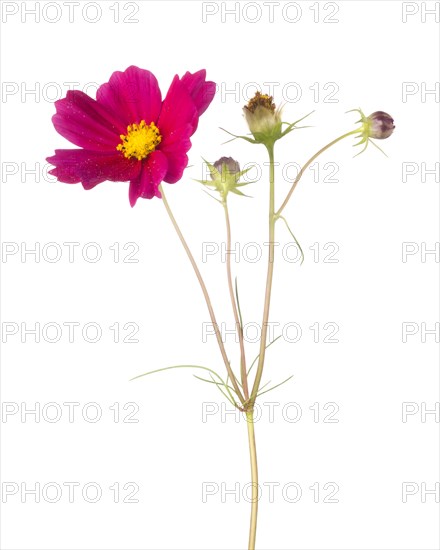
[(263, 119), (128, 133)]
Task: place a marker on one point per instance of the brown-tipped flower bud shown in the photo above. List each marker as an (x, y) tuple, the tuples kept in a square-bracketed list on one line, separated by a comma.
[(381, 125), (232, 165), (263, 119)]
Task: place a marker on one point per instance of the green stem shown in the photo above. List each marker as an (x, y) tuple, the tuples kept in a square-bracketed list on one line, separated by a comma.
[(306, 165), (249, 405), (254, 477), (244, 381), (269, 277), (206, 296)]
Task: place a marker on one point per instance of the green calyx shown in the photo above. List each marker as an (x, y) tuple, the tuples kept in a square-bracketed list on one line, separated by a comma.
[(270, 133)]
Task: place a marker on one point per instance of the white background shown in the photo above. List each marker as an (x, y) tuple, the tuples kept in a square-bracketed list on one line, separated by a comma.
[(372, 54)]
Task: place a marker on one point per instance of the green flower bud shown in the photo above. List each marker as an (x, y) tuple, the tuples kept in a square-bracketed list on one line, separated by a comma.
[(263, 119)]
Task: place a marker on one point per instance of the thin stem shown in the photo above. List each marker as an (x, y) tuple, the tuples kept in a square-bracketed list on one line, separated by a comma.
[(306, 165), (268, 278), (206, 296), (254, 477), (243, 369)]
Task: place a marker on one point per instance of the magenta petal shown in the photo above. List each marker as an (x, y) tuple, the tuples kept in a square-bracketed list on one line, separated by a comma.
[(176, 168), (92, 167), (175, 146), (178, 109), (201, 92), (134, 94), (85, 123), (147, 183), (177, 139)]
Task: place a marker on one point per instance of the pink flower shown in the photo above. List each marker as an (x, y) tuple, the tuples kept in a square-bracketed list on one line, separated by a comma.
[(128, 133)]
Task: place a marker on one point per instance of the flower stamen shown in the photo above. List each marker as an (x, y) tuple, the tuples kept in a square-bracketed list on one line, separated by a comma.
[(140, 140)]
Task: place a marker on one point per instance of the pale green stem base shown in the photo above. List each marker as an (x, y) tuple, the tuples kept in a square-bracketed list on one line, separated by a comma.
[(254, 477)]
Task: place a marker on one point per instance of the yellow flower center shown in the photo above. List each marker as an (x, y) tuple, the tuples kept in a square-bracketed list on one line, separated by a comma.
[(140, 140)]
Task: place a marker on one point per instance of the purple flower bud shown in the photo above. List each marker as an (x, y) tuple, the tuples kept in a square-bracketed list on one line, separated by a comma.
[(225, 177), (381, 125), (231, 164)]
